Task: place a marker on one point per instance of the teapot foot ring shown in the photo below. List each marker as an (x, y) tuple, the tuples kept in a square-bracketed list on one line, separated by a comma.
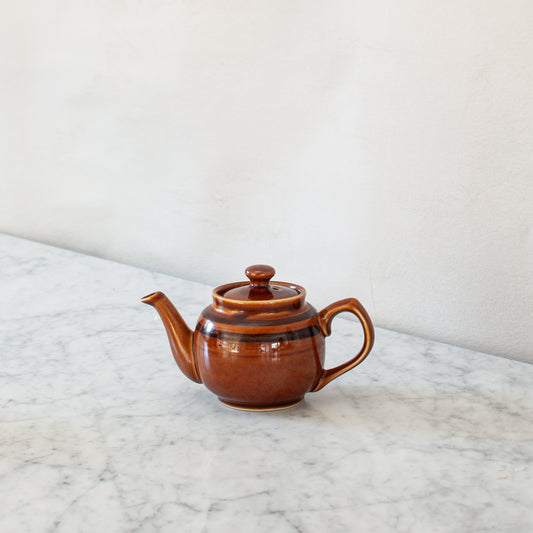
[(279, 407)]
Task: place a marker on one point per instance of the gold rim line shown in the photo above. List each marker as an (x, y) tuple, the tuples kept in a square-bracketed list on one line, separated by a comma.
[(268, 408)]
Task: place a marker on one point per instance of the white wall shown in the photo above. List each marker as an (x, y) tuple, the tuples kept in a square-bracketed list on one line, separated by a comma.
[(377, 149)]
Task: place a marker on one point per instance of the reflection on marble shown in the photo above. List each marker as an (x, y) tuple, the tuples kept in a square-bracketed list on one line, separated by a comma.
[(100, 432)]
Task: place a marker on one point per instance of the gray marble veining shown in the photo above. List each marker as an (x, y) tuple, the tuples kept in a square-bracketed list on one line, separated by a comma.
[(100, 432)]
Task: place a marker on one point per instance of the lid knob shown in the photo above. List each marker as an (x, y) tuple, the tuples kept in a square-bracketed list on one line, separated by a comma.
[(259, 275)]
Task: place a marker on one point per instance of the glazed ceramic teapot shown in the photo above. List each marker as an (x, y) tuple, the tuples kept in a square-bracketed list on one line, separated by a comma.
[(259, 345)]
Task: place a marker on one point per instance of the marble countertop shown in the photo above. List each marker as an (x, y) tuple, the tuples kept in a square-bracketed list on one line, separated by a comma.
[(99, 431)]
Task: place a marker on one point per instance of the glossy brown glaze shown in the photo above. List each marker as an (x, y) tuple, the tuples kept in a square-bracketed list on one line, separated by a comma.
[(179, 335), (262, 364), (259, 345)]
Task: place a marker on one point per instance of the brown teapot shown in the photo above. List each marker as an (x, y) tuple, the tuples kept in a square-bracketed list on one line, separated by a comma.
[(260, 345)]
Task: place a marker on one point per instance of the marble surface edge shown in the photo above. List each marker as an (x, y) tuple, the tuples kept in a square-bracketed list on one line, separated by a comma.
[(207, 287)]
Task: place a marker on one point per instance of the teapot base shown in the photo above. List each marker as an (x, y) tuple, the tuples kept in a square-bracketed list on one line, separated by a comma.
[(242, 407)]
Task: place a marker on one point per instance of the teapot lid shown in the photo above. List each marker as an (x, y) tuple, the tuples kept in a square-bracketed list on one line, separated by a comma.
[(260, 287), (259, 295)]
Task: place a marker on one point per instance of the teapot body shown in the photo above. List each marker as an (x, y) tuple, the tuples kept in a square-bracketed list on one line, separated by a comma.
[(259, 361)]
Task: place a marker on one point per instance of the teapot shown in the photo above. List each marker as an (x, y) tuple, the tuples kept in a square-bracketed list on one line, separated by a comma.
[(259, 346)]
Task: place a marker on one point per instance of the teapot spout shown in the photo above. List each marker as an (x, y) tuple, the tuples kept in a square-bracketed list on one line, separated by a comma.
[(179, 335)]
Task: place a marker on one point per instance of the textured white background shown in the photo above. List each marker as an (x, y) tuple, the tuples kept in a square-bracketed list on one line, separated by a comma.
[(373, 149)]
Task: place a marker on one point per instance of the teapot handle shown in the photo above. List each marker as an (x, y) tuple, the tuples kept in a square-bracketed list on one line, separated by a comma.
[(324, 321)]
